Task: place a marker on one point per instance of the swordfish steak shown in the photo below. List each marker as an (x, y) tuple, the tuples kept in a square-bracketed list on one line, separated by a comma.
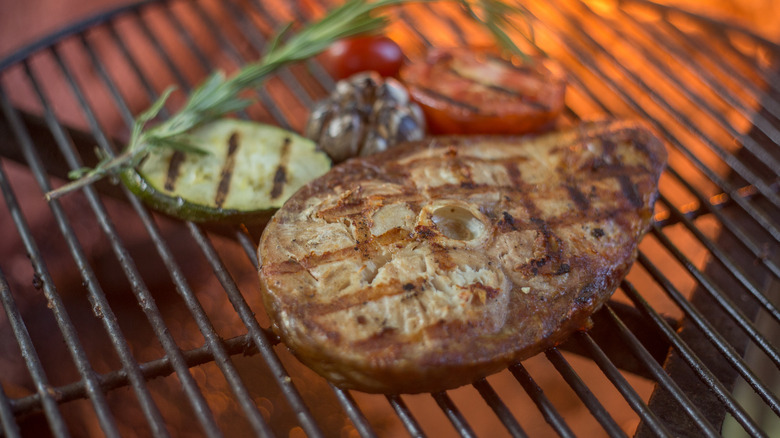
[(445, 260)]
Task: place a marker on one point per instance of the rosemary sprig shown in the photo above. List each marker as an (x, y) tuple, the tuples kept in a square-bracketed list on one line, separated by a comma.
[(497, 17), (219, 95)]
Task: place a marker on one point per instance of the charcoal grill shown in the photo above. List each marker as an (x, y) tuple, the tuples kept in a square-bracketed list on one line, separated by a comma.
[(120, 322)]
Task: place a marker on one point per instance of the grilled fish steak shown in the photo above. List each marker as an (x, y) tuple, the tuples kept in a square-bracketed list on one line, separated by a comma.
[(443, 261)]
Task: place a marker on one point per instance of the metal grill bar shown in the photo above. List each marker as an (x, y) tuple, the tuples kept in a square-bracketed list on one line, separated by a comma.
[(237, 45), (734, 228), (722, 26), (499, 408), (153, 314), (721, 298), (33, 362), (729, 225), (160, 51), (10, 428), (118, 378), (738, 273), (453, 414), (582, 391), (702, 75), (736, 165), (257, 334), (550, 413), (258, 42), (579, 53), (97, 296), (758, 120), (406, 416), (662, 378), (128, 57), (314, 68), (591, 66), (229, 286), (96, 394), (145, 299), (186, 38), (105, 78), (353, 412), (695, 363), (535, 392), (347, 402), (224, 42), (717, 340), (612, 373), (771, 78)]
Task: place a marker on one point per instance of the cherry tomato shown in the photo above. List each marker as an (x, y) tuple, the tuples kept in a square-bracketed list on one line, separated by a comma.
[(362, 53), (463, 91)]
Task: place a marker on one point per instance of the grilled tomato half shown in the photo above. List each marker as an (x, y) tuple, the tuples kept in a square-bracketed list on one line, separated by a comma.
[(467, 91), (248, 171)]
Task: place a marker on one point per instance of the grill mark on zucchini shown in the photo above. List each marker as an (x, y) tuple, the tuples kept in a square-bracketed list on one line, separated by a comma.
[(174, 170), (227, 171), (280, 176)]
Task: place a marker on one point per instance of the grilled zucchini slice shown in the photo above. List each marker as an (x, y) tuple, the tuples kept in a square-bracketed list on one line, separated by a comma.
[(249, 171)]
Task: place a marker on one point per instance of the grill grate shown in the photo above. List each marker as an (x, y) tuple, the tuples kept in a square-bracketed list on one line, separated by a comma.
[(149, 325)]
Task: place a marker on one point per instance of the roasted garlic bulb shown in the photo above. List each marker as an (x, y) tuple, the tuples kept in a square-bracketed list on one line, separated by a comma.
[(365, 114)]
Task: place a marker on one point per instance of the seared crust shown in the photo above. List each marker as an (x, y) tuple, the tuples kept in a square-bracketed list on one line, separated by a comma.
[(442, 261)]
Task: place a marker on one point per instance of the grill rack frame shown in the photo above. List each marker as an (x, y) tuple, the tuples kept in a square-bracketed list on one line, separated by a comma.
[(95, 386)]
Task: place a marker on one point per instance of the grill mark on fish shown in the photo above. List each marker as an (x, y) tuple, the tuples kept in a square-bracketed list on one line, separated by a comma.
[(365, 248), (356, 205), (481, 294), (394, 236), (579, 198), (407, 291), (519, 185), (280, 176), (226, 175), (464, 154), (506, 223), (174, 170), (503, 226), (364, 240), (550, 262), (361, 297), (442, 257), (287, 267), (463, 173), (290, 267), (629, 189)]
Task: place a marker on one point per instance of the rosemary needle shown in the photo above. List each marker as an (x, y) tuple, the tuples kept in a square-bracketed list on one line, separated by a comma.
[(219, 95)]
